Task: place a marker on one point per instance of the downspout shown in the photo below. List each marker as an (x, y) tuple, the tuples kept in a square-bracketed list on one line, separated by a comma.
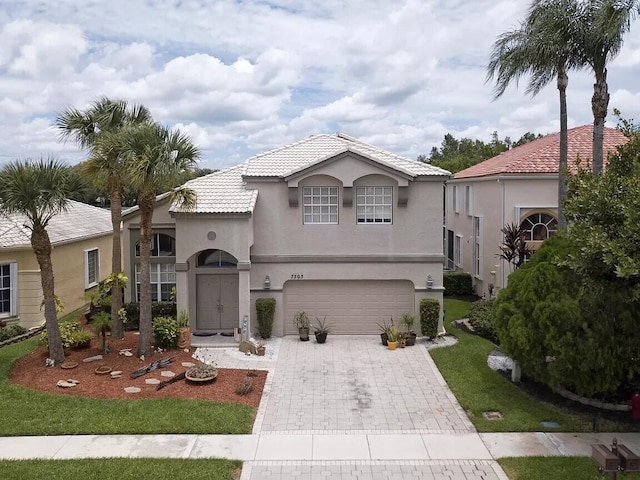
[(502, 195)]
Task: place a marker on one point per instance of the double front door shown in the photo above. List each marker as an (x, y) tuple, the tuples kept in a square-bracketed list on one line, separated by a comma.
[(217, 299)]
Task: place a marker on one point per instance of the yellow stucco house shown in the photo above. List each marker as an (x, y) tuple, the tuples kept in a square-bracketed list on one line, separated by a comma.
[(81, 257)]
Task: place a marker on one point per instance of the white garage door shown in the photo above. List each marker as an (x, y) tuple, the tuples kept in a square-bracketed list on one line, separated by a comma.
[(351, 307)]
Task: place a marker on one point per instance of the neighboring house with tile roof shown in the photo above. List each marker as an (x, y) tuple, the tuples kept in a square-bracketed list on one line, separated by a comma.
[(329, 225), (518, 186), (81, 257)]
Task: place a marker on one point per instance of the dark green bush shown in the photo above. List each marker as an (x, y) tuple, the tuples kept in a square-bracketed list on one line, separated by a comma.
[(158, 309), (429, 317), (165, 331), (10, 332), (457, 283), (265, 308), (480, 319)]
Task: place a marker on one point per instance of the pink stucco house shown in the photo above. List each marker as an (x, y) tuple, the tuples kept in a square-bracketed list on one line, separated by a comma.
[(329, 225), (518, 186)]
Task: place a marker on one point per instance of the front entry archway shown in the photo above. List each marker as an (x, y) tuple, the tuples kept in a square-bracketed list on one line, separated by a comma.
[(217, 302)]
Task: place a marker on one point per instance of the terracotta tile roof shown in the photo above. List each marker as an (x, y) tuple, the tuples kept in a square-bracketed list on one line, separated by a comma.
[(79, 222), (293, 158), (542, 155)]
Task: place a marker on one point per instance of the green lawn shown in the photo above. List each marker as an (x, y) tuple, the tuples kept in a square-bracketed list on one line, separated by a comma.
[(566, 468), (480, 389), (29, 412), (121, 468)]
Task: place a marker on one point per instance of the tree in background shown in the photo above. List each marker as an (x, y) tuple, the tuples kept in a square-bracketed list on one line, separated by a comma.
[(106, 167), (155, 158), (39, 190)]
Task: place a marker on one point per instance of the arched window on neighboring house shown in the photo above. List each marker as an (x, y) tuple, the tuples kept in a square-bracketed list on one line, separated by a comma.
[(539, 226)]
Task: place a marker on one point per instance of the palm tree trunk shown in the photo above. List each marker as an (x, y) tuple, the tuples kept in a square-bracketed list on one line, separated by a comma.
[(563, 82), (146, 204), (117, 329), (599, 104), (42, 248)]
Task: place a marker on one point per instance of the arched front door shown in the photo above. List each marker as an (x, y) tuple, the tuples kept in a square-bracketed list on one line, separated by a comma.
[(216, 292)]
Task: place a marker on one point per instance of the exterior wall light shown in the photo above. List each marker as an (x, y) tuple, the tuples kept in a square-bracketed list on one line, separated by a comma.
[(267, 283), (429, 282)]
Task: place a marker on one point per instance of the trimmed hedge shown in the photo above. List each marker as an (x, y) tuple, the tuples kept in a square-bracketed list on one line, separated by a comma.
[(457, 283), (13, 331), (158, 309), (429, 317), (480, 319), (265, 309)]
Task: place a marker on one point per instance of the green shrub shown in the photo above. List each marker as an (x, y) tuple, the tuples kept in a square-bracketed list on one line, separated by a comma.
[(158, 309), (72, 335), (265, 308), (457, 283), (429, 317), (481, 321), (12, 331), (165, 330)]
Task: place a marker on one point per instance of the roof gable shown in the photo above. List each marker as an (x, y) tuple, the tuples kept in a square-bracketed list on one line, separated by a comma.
[(542, 156)]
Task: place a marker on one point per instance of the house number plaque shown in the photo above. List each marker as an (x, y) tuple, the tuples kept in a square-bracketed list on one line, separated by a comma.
[(297, 276)]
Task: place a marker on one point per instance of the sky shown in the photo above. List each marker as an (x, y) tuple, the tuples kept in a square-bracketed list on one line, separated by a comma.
[(243, 77)]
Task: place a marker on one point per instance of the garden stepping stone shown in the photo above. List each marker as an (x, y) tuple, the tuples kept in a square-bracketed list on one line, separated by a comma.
[(132, 390), (126, 352), (152, 381), (65, 384), (188, 364), (116, 374), (71, 380), (95, 358), (167, 373)]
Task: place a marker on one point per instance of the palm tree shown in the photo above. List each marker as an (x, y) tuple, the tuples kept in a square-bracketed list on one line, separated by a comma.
[(39, 190), (542, 48), (86, 127), (599, 39), (154, 157)]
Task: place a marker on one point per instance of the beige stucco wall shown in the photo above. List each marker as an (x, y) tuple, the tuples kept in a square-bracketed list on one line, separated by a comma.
[(68, 271), (498, 200)]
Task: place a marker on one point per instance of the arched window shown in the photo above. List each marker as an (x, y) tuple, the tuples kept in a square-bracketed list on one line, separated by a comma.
[(539, 226), (161, 246), (216, 259)]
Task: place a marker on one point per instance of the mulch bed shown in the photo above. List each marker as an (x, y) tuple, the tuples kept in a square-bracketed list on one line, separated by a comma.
[(31, 371)]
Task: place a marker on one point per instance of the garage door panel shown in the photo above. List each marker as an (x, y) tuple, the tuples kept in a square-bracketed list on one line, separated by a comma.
[(351, 307)]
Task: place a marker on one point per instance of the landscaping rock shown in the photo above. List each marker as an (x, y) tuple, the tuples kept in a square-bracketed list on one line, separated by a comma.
[(167, 373), (65, 384), (95, 358), (132, 390), (152, 381), (188, 364)]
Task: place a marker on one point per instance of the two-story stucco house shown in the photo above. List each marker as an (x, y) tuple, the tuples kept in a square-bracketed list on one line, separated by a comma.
[(518, 186), (329, 225), (81, 238)]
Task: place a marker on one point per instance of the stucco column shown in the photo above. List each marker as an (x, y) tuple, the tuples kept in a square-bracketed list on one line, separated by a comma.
[(244, 298), (182, 291)]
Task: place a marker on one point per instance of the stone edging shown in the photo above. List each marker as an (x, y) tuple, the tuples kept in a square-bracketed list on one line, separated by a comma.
[(31, 333), (620, 407)]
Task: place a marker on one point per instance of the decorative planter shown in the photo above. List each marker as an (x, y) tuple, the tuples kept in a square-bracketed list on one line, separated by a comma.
[(304, 334), (184, 338), (411, 339), (321, 337), (260, 351), (103, 370), (200, 379), (391, 345), (384, 337)]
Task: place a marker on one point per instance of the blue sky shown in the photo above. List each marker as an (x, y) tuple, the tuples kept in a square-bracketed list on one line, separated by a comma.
[(245, 77)]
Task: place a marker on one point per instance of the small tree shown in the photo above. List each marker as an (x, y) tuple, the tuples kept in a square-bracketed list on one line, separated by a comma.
[(265, 309), (429, 317), (514, 248)]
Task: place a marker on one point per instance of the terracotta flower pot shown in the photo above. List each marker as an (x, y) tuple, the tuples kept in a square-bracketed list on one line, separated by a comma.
[(391, 345)]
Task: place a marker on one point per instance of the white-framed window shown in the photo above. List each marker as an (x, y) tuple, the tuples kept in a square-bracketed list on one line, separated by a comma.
[(8, 290), (454, 199), (163, 279), (477, 247), (320, 205), (458, 250), (91, 267), (539, 226), (468, 200), (162, 245), (374, 205)]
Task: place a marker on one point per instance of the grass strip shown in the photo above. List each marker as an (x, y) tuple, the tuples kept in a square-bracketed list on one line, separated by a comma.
[(566, 468)]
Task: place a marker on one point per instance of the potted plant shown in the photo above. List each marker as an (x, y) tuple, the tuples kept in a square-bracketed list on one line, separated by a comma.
[(392, 337), (408, 321), (301, 321), (184, 331), (321, 329), (384, 328)]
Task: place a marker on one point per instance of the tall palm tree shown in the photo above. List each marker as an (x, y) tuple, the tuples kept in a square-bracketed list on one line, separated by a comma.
[(155, 157), (39, 190), (86, 127), (542, 48), (599, 39)]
